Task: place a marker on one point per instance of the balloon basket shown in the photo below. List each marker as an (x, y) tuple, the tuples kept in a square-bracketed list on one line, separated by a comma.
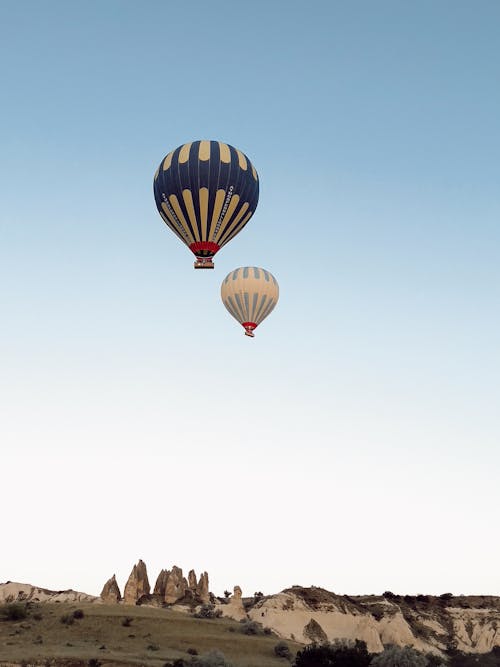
[(249, 327), (204, 263)]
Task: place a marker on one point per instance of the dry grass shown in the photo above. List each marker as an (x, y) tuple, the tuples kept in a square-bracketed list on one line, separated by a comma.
[(100, 635)]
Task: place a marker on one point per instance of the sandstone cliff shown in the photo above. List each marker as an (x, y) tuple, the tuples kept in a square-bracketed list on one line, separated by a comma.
[(13, 591), (430, 624)]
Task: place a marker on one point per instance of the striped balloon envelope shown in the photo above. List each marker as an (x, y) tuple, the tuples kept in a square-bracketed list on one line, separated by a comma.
[(206, 192), (250, 294)]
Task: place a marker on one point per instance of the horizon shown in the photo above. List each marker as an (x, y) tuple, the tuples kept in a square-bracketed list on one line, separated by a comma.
[(354, 443), (152, 579)]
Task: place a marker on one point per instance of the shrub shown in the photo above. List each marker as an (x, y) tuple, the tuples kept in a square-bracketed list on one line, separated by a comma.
[(126, 622), (93, 662), (446, 596), (251, 628), (434, 660), (192, 651), (491, 659), (282, 651), (208, 610), (67, 619), (153, 647), (78, 613), (340, 654), (212, 659), (37, 616), (396, 656), (15, 611)]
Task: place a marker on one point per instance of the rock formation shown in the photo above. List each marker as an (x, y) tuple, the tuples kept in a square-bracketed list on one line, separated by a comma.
[(314, 632), (137, 584), (12, 591), (202, 592), (192, 583), (428, 623), (234, 608), (110, 593), (170, 587), (161, 583), (176, 586)]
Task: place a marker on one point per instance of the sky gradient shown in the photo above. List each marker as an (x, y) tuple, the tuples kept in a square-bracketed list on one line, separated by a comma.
[(354, 443)]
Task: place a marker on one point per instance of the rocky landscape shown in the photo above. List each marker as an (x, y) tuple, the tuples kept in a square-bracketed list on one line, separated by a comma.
[(170, 587), (304, 615)]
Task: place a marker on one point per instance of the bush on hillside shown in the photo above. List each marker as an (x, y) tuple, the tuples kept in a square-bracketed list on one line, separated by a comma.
[(282, 650), (212, 659), (397, 656), (389, 595), (251, 627), (153, 647), (15, 611), (339, 654), (67, 619), (208, 610), (446, 596), (491, 659)]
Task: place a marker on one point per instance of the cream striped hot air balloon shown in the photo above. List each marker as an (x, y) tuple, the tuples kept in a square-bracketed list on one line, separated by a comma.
[(250, 294)]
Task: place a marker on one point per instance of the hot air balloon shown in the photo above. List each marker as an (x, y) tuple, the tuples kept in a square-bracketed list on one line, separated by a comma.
[(206, 192), (249, 294)]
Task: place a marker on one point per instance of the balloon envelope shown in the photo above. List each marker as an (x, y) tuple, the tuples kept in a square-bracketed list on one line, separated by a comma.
[(206, 192), (250, 294)]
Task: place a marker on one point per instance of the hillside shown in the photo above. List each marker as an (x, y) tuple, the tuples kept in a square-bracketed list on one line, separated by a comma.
[(428, 623), (150, 637)]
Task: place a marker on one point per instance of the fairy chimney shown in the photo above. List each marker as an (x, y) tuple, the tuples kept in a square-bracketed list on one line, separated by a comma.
[(202, 591), (176, 586), (110, 593), (137, 584)]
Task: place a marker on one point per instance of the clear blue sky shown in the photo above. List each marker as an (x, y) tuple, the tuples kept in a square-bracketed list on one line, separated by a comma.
[(354, 443)]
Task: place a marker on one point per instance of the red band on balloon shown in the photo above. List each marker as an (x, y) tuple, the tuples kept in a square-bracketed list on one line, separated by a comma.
[(204, 245), (249, 325)]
